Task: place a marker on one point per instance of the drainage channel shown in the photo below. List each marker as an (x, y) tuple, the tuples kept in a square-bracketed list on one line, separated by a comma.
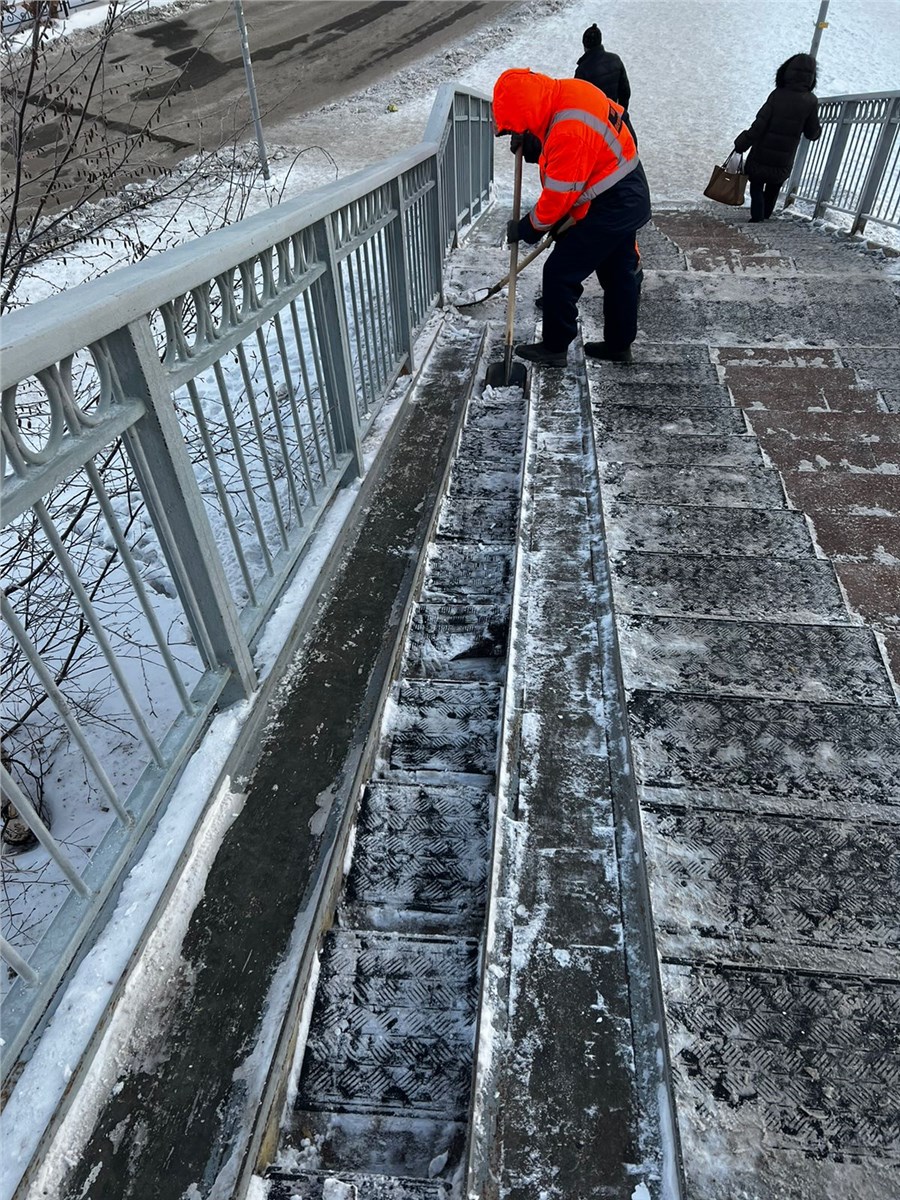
[(383, 1095)]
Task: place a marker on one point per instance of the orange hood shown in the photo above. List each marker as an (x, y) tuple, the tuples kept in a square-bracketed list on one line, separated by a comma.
[(524, 99)]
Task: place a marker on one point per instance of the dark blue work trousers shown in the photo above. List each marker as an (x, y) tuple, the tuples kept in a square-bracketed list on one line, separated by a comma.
[(584, 250)]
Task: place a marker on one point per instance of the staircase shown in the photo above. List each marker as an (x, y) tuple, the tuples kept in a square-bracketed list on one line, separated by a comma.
[(384, 1094)]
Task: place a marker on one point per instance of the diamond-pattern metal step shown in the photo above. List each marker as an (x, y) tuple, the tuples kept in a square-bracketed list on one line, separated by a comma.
[(775, 886), (342, 1185), (392, 1026), (444, 727), (809, 1063), (687, 529), (460, 573), (659, 446), (492, 448), (469, 479), (616, 387), (673, 420), (407, 1148), (837, 664), (749, 486), (748, 588), (457, 641), (421, 859), (799, 751), (641, 375), (457, 811), (484, 521)]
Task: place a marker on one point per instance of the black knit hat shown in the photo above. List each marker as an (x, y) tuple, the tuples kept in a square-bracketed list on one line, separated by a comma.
[(592, 37)]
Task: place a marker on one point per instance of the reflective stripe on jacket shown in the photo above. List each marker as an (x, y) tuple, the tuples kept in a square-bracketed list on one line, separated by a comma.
[(587, 147)]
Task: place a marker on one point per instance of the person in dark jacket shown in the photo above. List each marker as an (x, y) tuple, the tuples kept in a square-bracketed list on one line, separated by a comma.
[(602, 68), (790, 111)]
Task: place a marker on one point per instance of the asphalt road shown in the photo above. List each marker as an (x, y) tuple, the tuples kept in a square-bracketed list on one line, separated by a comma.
[(304, 52)]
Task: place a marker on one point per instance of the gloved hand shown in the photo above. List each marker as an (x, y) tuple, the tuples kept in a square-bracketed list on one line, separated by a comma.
[(560, 229), (530, 143), (522, 231)]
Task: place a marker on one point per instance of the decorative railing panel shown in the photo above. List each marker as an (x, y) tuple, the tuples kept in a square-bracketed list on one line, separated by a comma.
[(170, 436), (854, 168)]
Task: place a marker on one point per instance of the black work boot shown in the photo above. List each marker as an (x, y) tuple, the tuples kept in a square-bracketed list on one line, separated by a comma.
[(537, 352), (601, 350)]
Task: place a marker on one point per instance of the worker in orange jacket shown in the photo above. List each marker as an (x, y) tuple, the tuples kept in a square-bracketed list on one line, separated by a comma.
[(590, 171)]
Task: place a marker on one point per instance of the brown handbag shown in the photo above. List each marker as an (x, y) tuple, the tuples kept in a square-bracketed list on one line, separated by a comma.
[(728, 186)]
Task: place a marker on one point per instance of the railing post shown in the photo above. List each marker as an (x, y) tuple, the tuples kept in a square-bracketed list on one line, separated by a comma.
[(438, 246), (158, 454), (835, 156), (334, 340), (797, 171), (450, 164), (397, 234), (880, 158)]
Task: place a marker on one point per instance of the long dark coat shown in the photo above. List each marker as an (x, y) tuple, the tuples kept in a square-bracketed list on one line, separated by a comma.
[(790, 111), (606, 71)]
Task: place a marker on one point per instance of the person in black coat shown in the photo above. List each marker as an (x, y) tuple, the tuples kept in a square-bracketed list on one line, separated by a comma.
[(790, 111), (602, 68)]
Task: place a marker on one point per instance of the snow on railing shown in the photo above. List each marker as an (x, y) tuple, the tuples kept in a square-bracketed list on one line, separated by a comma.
[(171, 435), (854, 168)]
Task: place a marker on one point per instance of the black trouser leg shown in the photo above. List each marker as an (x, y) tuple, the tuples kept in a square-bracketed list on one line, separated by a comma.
[(620, 276), (770, 198), (581, 252), (564, 273), (757, 200)]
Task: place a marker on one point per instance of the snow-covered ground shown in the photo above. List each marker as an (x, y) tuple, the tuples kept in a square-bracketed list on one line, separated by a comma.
[(699, 70)]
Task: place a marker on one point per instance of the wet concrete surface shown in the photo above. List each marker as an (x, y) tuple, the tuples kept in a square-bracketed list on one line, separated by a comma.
[(303, 54)]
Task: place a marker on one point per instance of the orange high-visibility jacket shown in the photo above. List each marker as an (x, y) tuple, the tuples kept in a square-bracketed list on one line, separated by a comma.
[(587, 147)]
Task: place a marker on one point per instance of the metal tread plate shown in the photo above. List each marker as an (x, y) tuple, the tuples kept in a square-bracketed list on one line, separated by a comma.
[(457, 641), (478, 520), (460, 572), (392, 1026), (445, 727), (350, 1186), (750, 486), (745, 532), (792, 749), (805, 591), (683, 420)]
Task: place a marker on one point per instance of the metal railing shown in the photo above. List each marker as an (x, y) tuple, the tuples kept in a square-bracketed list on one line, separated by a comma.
[(171, 434), (854, 168)]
